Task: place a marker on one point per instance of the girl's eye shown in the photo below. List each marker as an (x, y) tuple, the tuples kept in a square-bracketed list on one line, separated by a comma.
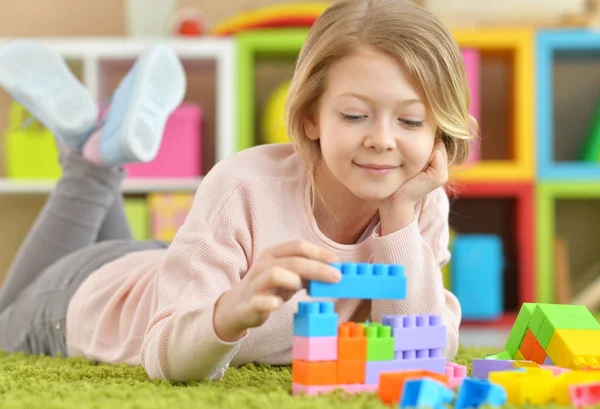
[(353, 118), (412, 124)]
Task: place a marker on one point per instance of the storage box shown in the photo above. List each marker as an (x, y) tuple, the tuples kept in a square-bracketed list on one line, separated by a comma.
[(180, 153), (137, 213), (168, 213), (472, 67), (30, 150)]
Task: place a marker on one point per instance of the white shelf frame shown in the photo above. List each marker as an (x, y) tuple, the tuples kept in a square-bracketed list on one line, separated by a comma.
[(92, 51)]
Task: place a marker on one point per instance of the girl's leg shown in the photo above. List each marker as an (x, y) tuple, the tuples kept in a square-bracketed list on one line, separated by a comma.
[(77, 209), (116, 225)]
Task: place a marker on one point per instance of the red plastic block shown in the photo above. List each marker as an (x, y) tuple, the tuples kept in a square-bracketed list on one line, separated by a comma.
[(314, 373), (585, 395), (315, 348), (538, 355), (352, 343), (350, 372), (528, 345)]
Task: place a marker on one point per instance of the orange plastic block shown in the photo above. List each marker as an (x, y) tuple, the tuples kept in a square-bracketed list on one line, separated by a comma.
[(392, 383), (352, 343), (538, 354), (351, 372), (528, 345), (314, 373)]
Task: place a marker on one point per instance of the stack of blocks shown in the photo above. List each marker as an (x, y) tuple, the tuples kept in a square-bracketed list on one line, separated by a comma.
[(328, 355)]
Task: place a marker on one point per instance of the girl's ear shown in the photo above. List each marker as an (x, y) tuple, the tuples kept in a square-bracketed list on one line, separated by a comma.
[(311, 128)]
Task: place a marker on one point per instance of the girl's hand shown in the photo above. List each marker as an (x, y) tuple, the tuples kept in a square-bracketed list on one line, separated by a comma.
[(397, 210), (274, 278)]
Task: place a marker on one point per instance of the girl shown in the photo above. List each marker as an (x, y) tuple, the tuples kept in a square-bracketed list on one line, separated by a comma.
[(377, 112)]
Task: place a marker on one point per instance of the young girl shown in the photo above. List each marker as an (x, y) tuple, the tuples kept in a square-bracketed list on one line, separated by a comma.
[(377, 112)]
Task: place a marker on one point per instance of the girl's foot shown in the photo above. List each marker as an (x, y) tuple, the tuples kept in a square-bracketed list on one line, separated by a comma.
[(139, 110), (40, 80)]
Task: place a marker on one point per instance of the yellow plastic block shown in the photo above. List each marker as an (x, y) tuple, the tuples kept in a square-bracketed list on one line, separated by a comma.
[(526, 364), (519, 356), (566, 379), (534, 386), (574, 348), (521, 43)]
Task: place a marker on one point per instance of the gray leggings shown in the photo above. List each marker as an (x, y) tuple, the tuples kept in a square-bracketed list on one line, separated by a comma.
[(81, 227)]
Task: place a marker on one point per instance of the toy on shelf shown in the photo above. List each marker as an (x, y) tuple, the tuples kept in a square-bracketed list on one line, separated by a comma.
[(30, 150), (477, 275), (272, 16), (180, 154), (189, 22), (274, 127), (168, 212)]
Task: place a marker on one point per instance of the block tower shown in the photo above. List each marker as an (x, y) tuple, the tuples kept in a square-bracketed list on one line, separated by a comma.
[(329, 355), (567, 336)]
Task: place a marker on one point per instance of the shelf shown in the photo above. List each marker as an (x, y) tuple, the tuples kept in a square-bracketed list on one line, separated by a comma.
[(486, 208), (568, 78), (507, 91), (130, 186), (568, 209)]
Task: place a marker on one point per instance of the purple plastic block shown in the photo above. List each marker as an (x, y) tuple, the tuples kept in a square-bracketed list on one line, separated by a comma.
[(375, 368), (548, 361), (482, 367), (415, 333)]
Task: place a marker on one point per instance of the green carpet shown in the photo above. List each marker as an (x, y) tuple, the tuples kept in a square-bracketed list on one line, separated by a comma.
[(43, 382)]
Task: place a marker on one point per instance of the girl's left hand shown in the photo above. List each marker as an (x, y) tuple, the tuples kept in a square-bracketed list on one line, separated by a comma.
[(434, 175)]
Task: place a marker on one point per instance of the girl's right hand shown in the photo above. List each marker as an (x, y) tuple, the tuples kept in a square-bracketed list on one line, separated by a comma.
[(276, 275)]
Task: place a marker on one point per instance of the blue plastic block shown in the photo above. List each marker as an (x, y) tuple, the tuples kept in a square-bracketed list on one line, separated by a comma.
[(363, 281), (474, 393), (425, 393), (315, 319), (477, 275)]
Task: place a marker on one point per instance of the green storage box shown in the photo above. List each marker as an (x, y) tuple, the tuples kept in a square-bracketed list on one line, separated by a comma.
[(138, 215)]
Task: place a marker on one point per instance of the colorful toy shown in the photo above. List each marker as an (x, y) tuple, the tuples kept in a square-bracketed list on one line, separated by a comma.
[(391, 384), (363, 280), (276, 15), (274, 126), (425, 392), (477, 275), (474, 393), (168, 212), (180, 154)]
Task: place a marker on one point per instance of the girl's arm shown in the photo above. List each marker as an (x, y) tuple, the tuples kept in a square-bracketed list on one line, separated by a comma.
[(422, 247), (206, 258)]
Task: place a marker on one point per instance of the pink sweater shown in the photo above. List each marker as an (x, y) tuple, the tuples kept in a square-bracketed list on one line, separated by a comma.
[(156, 307)]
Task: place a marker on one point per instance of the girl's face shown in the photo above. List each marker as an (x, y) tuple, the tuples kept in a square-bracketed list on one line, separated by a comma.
[(374, 130)]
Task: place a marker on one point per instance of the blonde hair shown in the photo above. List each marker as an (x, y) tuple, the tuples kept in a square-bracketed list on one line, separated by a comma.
[(416, 38)]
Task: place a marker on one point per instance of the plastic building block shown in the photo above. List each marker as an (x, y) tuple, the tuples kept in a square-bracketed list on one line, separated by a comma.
[(474, 393), (363, 281), (556, 370), (585, 395), (552, 323), (564, 382), (315, 348), (352, 343), (315, 319), (313, 390), (477, 280), (380, 344), (530, 386), (519, 329), (528, 345), (376, 368), (314, 373), (350, 372), (519, 356), (575, 349), (538, 355), (416, 332), (455, 373), (504, 355), (425, 393), (391, 384), (480, 368)]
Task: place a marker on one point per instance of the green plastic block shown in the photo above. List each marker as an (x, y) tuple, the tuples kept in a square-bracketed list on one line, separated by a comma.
[(380, 343), (138, 215), (551, 324), (543, 311), (503, 356), (517, 333)]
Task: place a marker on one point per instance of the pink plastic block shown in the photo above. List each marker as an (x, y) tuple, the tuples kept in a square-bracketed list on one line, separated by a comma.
[(315, 348), (456, 374), (315, 390), (585, 395), (472, 66), (180, 154), (414, 334), (375, 368)]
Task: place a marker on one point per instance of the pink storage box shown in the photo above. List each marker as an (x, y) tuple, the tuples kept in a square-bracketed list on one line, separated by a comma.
[(180, 153), (472, 66)]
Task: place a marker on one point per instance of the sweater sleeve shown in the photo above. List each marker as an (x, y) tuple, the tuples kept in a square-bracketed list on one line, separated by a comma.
[(422, 247), (206, 258)]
